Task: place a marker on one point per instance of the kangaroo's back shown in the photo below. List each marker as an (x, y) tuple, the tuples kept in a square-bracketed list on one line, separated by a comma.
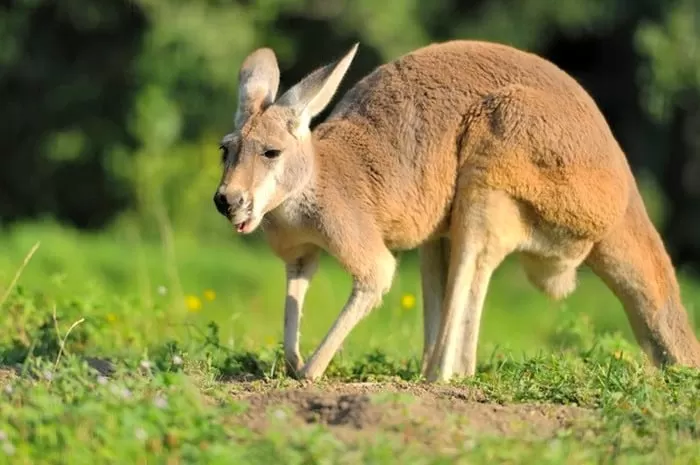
[(450, 76), (409, 126)]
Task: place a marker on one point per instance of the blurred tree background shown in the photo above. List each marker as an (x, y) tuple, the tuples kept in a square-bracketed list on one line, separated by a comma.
[(112, 110)]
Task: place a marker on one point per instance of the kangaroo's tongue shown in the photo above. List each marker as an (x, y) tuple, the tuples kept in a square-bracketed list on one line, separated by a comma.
[(240, 227)]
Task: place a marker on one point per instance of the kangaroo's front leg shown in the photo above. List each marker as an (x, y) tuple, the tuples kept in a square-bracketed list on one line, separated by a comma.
[(299, 274), (369, 286)]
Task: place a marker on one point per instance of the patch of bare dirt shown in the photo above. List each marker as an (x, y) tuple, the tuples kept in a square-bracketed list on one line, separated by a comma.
[(426, 413)]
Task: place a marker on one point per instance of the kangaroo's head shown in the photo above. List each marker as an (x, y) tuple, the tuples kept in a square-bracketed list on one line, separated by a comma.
[(269, 154)]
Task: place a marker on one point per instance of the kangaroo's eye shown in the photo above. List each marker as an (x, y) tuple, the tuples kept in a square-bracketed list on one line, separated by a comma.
[(271, 153), (224, 152)]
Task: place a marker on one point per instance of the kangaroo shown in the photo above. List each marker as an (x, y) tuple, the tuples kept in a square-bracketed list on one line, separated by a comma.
[(467, 150)]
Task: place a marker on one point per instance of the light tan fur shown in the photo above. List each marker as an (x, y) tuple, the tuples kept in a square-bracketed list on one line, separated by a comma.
[(467, 150)]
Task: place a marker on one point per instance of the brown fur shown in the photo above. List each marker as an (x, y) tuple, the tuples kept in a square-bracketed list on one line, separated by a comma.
[(469, 150)]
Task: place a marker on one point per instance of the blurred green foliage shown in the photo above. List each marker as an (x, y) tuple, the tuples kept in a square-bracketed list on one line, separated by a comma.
[(113, 110), (673, 48)]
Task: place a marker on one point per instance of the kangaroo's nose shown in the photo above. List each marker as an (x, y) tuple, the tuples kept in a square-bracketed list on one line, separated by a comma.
[(221, 203)]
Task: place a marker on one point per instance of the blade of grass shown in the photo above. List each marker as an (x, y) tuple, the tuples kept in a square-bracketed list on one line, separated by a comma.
[(13, 283), (62, 340)]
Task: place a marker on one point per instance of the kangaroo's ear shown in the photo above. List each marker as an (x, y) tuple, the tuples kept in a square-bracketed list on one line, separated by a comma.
[(258, 78), (310, 96)]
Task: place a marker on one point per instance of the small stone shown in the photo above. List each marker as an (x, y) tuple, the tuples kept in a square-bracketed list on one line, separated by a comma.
[(8, 448)]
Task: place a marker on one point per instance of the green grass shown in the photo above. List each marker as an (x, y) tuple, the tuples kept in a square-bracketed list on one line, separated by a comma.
[(170, 398), (172, 415)]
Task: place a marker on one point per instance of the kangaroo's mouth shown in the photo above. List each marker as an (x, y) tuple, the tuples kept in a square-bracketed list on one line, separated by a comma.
[(244, 220), (246, 225), (242, 226)]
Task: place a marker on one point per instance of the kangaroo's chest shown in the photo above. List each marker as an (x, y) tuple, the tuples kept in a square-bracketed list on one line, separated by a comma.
[(289, 230)]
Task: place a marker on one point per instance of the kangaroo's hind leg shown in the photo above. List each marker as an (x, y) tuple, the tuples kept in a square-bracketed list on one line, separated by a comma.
[(633, 263)]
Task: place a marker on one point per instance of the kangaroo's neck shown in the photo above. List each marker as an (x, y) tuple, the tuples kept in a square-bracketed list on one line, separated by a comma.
[(299, 210), (340, 151), (340, 195)]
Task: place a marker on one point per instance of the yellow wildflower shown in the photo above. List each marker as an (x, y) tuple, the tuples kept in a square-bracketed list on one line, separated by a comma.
[(408, 301), (111, 317), (209, 295), (270, 341), (193, 303)]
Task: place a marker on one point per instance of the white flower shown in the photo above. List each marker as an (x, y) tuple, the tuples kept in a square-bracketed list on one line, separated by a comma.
[(160, 402), (177, 360), (162, 290), (469, 444), (48, 375), (8, 448), (122, 392), (145, 364), (140, 434), (9, 389)]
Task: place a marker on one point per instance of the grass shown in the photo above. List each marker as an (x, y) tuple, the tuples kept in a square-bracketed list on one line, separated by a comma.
[(173, 353)]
